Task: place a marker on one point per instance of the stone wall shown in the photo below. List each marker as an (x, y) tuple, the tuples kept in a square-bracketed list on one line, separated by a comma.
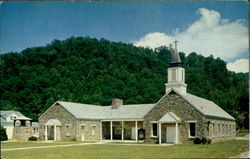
[(221, 129), (22, 133), (58, 112), (176, 104), (89, 130)]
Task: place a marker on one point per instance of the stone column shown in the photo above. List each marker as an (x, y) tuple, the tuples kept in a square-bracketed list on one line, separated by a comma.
[(136, 131), (54, 132), (111, 130), (159, 127), (46, 132), (176, 133)]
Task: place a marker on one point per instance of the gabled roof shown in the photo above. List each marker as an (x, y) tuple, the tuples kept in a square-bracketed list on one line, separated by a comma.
[(207, 107), (204, 106), (53, 122), (87, 111), (6, 113), (170, 117), (138, 111)]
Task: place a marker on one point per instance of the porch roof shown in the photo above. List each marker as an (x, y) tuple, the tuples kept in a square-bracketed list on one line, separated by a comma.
[(169, 117), (53, 122)]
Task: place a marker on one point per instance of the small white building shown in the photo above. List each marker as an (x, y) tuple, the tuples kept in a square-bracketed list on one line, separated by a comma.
[(8, 117)]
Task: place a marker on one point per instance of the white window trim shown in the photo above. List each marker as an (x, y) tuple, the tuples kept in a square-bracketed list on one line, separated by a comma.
[(93, 130), (68, 132), (152, 130), (189, 136), (213, 129)]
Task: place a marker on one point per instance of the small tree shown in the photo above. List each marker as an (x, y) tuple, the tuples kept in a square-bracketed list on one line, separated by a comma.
[(3, 135)]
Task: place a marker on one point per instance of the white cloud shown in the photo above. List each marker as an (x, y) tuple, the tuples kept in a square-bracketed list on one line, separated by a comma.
[(209, 35), (241, 65)]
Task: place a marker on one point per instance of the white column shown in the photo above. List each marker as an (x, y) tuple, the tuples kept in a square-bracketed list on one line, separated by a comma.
[(159, 125), (54, 132), (122, 131), (136, 131), (111, 130), (101, 130), (176, 133), (46, 133)]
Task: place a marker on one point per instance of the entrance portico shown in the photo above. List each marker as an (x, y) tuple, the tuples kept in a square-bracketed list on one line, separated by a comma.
[(172, 132), (52, 129)]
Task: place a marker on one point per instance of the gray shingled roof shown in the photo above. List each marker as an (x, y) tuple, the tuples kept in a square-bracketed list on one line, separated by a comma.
[(6, 113), (207, 107), (86, 111), (138, 111)]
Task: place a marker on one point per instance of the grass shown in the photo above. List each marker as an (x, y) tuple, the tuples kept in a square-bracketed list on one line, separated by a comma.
[(6, 145), (109, 151)]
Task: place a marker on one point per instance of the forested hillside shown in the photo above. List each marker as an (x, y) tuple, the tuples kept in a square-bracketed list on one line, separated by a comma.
[(94, 71)]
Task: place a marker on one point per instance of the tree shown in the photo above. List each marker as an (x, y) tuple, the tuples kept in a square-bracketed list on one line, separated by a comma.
[(3, 135)]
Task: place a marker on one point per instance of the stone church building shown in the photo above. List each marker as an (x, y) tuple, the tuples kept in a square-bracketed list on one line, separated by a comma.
[(178, 117)]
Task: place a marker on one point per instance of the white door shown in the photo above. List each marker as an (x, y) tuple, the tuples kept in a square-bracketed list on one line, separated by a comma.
[(133, 135), (170, 134), (82, 133)]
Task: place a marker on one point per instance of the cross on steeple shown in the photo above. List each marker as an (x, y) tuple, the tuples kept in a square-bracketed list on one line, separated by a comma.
[(175, 43)]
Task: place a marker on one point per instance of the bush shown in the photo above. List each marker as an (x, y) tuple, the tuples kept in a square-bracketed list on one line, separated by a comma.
[(209, 141), (32, 138), (203, 140), (197, 140), (3, 135)]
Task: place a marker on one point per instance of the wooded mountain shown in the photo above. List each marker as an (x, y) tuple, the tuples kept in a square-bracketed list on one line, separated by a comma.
[(87, 70)]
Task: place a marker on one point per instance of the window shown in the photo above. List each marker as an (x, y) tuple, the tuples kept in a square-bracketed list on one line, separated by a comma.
[(154, 131), (222, 128), (174, 75), (218, 133), (191, 129), (93, 130), (11, 117), (68, 128), (213, 127)]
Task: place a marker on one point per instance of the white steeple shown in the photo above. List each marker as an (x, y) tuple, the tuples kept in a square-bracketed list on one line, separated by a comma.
[(176, 74)]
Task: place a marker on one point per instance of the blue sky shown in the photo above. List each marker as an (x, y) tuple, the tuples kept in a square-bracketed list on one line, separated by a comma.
[(28, 24)]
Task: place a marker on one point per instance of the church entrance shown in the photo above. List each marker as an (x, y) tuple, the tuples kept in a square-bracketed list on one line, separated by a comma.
[(170, 134)]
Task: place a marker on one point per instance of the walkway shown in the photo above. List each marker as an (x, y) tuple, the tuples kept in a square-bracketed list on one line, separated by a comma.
[(244, 154), (82, 144)]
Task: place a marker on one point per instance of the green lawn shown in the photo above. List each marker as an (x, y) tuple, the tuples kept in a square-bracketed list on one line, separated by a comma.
[(6, 145), (109, 151)]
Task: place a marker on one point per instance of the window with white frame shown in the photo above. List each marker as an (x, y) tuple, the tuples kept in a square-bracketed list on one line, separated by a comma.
[(68, 128), (11, 118), (213, 127), (154, 130), (192, 129), (218, 130), (223, 129), (93, 129)]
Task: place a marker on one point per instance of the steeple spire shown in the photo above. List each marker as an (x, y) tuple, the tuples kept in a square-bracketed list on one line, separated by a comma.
[(176, 74), (175, 58)]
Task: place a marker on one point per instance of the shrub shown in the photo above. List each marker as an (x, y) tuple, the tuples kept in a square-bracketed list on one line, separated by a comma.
[(203, 140), (3, 135), (32, 138), (209, 141), (197, 140)]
